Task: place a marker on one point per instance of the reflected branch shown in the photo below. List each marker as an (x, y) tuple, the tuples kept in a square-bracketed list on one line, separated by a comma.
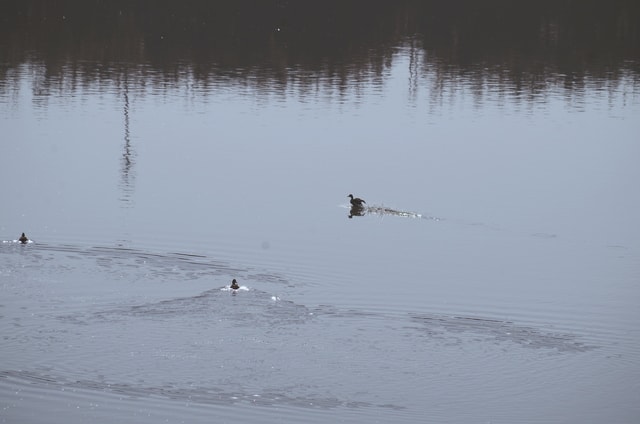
[(127, 162)]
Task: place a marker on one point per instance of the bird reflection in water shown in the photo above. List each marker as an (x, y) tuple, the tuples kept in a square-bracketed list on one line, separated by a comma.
[(357, 211)]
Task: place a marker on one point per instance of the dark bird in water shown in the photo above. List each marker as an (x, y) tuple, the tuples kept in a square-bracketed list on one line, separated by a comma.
[(234, 285), (23, 239), (356, 201)]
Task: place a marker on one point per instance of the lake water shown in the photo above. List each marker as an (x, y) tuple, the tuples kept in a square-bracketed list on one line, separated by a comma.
[(154, 155)]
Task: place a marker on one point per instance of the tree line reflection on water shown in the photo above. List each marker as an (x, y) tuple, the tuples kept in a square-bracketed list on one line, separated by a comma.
[(523, 47)]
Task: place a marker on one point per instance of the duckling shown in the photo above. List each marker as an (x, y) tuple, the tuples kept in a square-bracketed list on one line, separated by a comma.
[(23, 239), (234, 285), (356, 201)]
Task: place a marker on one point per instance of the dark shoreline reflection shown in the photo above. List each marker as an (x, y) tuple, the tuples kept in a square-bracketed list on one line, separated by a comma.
[(521, 48)]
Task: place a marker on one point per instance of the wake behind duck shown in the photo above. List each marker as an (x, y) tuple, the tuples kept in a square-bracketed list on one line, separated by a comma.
[(358, 208), (383, 210)]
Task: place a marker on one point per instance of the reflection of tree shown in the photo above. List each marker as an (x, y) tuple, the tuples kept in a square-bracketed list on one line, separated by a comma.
[(333, 44), (127, 175), (414, 70)]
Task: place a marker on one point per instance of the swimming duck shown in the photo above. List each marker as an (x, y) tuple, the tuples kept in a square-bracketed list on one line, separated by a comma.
[(23, 239), (356, 201), (234, 285)]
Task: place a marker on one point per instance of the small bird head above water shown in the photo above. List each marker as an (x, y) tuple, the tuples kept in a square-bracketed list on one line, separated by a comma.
[(23, 238), (234, 284), (356, 201)]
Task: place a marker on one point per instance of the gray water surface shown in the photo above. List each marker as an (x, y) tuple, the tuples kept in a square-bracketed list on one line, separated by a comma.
[(492, 275)]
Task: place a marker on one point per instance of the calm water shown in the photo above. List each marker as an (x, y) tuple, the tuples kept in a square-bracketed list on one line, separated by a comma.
[(154, 155)]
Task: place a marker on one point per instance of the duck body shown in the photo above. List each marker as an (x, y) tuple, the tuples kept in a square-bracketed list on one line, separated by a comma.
[(234, 285), (356, 201), (23, 239)]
